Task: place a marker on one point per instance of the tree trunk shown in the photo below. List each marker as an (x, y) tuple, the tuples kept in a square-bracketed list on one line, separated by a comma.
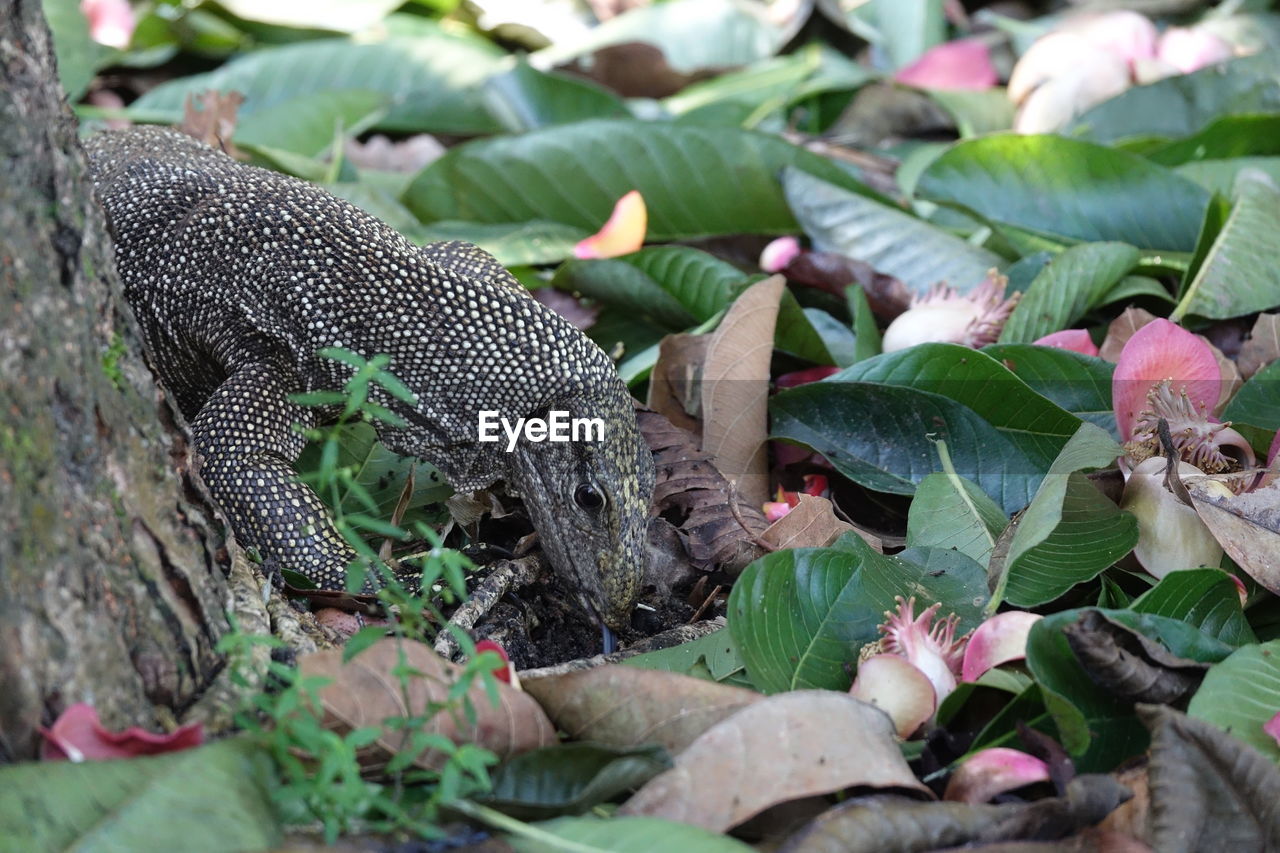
[(112, 574)]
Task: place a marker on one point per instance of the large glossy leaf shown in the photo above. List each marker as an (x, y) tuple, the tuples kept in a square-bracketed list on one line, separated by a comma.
[(570, 778), (883, 436), (1096, 728), (1073, 283), (948, 511), (1032, 423), (902, 30), (1181, 105), (76, 53), (1257, 403), (799, 616), (1206, 598), (1079, 383), (1241, 693), (431, 80), (890, 239), (696, 181), (169, 802), (673, 287), (307, 123), (524, 99), (1219, 176), (1070, 532), (512, 243), (1241, 272), (683, 31), (1068, 188), (1228, 137)]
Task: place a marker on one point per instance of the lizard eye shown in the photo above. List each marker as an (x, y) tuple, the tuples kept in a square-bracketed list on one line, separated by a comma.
[(588, 496)]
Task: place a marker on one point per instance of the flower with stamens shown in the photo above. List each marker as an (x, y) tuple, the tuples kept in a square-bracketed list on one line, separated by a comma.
[(945, 316)]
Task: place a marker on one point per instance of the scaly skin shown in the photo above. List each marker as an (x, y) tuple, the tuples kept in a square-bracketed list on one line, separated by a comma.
[(238, 275)]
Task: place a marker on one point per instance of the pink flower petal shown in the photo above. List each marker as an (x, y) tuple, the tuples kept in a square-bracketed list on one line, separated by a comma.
[(994, 771), (895, 686), (964, 64), (1161, 350), (998, 640), (1076, 340), (504, 673), (778, 254), (622, 234), (1274, 451), (1128, 35), (1272, 727), (78, 735), (111, 22), (776, 510), (1191, 48)]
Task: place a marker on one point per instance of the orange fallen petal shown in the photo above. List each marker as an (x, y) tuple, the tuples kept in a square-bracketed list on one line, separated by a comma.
[(622, 234)]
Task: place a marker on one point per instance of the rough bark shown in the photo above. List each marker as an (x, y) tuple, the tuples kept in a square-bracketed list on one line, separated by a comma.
[(112, 586)]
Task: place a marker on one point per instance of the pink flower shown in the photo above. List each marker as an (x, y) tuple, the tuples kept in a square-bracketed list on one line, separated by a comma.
[(990, 772), (964, 64), (78, 735), (622, 234), (1165, 372), (111, 22), (932, 649), (1000, 639), (1188, 49), (1076, 340), (779, 254), (1272, 727), (814, 485)]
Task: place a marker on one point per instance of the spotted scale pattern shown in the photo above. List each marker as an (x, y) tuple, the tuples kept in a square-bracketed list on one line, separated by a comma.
[(239, 275)]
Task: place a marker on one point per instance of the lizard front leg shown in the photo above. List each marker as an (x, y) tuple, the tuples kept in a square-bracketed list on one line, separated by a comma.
[(246, 436)]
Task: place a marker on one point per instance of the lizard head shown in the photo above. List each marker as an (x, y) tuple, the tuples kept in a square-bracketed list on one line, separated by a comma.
[(589, 500)]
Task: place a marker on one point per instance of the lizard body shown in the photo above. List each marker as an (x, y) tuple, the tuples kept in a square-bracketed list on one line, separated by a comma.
[(239, 275)]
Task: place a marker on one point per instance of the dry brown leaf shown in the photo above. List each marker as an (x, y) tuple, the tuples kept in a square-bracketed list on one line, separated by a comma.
[(628, 706), (720, 529), (675, 385), (1262, 347), (735, 389), (364, 692), (812, 523), (211, 118), (809, 742), (1246, 526), (1121, 329)]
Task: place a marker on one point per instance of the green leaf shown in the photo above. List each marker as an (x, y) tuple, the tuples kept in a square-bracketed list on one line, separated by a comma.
[(1067, 188), (904, 31), (343, 16), (883, 437), (163, 802), (76, 53), (570, 778), (1205, 598), (681, 30), (1032, 423), (1071, 285), (1070, 532), (1241, 273), (1220, 175), (696, 181), (1242, 693), (713, 657), (1095, 727), (1228, 137), (431, 80), (525, 99), (1079, 383), (305, 124), (866, 333), (620, 835), (890, 239), (976, 112), (1181, 105), (799, 616), (1257, 403), (378, 471), (514, 244), (948, 511), (671, 286), (735, 97)]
